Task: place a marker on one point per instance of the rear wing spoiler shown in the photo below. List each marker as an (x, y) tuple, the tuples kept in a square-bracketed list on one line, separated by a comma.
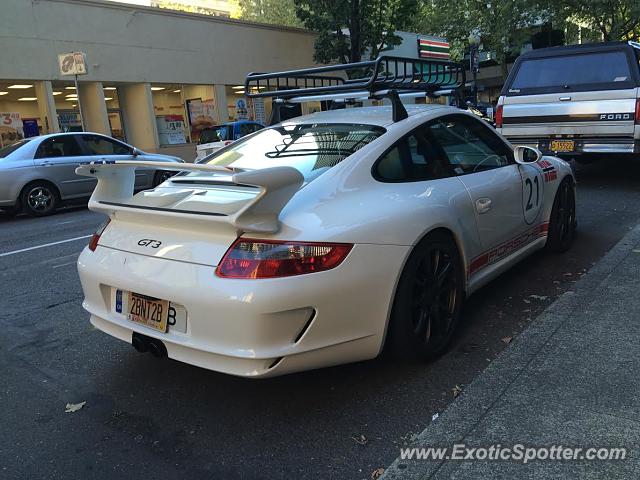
[(116, 180)]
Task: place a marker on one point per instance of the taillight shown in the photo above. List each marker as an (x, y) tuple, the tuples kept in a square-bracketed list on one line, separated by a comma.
[(95, 238), (248, 258), (637, 120), (499, 116)]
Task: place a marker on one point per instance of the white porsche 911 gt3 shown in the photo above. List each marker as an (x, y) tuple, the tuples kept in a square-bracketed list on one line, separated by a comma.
[(321, 239)]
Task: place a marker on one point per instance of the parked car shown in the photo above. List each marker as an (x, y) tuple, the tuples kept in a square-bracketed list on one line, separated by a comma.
[(38, 173), (321, 240), (574, 101), (214, 138)]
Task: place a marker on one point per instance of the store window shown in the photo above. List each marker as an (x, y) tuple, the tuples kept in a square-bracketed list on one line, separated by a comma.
[(66, 100), (19, 113), (202, 113), (170, 114)]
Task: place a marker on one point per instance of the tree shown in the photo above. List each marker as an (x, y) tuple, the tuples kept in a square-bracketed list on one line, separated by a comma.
[(279, 12), (612, 19), (350, 30), (501, 24)]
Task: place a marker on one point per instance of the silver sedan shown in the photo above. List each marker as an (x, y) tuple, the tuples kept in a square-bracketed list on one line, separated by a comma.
[(38, 173)]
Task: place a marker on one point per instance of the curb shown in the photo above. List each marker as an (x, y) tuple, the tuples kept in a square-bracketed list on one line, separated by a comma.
[(464, 413)]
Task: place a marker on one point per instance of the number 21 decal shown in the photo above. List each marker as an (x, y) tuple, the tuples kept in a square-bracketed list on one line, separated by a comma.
[(532, 193)]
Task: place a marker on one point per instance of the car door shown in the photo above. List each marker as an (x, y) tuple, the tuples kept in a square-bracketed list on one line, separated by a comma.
[(56, 160), (108, 149), (484, 164)]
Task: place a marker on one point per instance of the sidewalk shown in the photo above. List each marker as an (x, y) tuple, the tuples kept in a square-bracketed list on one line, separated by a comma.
[(572, 378)]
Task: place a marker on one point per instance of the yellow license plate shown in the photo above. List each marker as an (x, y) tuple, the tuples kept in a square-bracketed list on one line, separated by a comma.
[(151, 312), (562, 145)]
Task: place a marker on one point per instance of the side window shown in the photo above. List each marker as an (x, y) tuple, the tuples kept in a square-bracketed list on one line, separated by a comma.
[(245, 129), (469, 146), (104, 146), (412, 159), (62, 146)]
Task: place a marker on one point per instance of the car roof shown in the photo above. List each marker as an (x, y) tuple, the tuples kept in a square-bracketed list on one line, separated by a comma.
[(381, 116), (48, 135)]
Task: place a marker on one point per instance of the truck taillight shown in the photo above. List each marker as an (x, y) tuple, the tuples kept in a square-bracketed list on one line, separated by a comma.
[(248, 258), (499, 116), (95, 238), (637, 118)]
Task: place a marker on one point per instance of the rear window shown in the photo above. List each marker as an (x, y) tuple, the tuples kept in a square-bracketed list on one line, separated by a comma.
[(5, 151), (599, 70), (310, 148)]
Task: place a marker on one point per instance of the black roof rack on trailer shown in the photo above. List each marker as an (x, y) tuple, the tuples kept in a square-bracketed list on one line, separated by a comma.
[(385, 77)]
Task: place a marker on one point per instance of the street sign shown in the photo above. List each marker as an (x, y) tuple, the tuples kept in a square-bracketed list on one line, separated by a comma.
[(73, 63)]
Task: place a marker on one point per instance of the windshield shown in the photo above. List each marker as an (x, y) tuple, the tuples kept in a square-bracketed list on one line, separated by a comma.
[(608, 69), (5, 151), (311, 148)]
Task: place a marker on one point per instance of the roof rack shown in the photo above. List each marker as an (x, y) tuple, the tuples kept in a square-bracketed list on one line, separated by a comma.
[(385, 77)]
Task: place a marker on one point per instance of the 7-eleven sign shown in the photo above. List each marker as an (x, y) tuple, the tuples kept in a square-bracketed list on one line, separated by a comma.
[(430, 48)]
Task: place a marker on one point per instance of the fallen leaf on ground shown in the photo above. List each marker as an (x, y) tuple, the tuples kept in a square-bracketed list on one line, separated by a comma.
[(506, 340), (362, 440), (74, 407), (434, 417), (377, 473), (456, 391), (539, 297)]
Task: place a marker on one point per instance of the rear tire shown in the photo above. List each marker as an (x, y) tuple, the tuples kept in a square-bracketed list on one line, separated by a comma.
[(562, 223), (39, 199), (428, 300)]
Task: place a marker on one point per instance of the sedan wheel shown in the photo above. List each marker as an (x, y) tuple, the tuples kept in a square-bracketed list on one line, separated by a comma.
[(39, 199), (428, 301)]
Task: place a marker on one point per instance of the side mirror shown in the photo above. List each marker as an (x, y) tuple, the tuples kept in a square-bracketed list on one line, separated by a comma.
[(524, 155), (135, 152)]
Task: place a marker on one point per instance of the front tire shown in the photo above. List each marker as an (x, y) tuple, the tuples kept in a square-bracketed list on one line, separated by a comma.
[(428, 301), (39, 199), (562, 223)]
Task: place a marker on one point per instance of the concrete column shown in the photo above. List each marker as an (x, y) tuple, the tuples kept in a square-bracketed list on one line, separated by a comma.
[(94, 109), (47, 107), (220, 96), (136, 104)]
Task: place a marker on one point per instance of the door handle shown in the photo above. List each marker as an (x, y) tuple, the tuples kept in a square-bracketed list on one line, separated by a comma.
[(483, 205), (564, 99), (46, 163)]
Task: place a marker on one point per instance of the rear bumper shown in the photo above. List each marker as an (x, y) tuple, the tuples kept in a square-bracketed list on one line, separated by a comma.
[(583, 145), (253, 328)]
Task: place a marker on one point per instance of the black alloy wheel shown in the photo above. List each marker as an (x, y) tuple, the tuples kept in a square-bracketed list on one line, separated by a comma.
[(428, 301)]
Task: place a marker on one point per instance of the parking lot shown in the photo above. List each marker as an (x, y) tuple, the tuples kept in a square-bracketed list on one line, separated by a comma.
[(150, 418)]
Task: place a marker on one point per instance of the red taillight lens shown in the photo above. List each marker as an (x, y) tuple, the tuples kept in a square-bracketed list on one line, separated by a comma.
[(499, 116), (95, 238), (637, 120), (249, 258)]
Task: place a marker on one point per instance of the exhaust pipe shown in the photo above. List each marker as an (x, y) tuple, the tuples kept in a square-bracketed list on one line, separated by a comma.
[(143, 344)]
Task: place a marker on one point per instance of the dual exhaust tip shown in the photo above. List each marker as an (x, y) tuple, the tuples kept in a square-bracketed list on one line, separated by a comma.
[(143, 344)]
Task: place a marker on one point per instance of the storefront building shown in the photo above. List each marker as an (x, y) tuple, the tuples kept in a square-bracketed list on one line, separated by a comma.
[(154, 77)]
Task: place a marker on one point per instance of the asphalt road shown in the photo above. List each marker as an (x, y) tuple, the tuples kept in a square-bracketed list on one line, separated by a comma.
[(149, 418)]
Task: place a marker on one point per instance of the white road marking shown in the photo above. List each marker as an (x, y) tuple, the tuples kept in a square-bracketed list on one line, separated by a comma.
[(65, 264), (6, 254)]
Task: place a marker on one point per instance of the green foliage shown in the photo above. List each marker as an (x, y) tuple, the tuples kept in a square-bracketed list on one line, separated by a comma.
[(610, 19), (279, 12), (500, 23), (349, 30)]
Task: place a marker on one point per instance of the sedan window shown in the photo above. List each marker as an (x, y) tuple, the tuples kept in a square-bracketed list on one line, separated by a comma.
[(62, 146), (5, 151), (98, 145)]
